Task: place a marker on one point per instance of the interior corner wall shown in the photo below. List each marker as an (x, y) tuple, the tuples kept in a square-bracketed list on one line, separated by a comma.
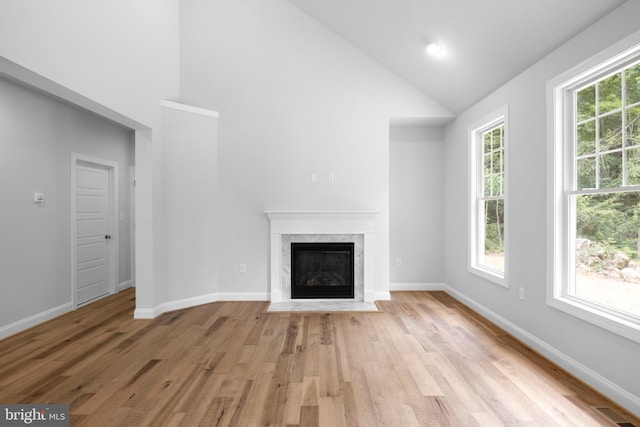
[(294, 100), (190, 206), (37, 136), (601, 354), (416, 205)]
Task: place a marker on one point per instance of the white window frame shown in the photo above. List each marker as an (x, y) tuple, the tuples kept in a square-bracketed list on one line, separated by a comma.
[(476, 190), (561, 161)]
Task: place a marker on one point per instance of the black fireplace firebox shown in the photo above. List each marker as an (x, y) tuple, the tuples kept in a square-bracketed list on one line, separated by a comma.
[(322, 270)]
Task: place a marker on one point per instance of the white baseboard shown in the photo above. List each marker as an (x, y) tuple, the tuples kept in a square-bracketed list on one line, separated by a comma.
[(411, 286), (243, 296), (382, 296), (36, 319), (150, 313), (144, 313), (616, 393), (186, 303), (124, 285)]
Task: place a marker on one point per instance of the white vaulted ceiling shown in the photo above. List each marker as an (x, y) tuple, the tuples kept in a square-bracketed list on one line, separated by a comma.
[(487, 42)]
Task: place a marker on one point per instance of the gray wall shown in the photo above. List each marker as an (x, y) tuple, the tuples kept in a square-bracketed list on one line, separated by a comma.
[(37, 136), (118, 59), (190, 205), (416, 204), (305, 102), (610, 357)]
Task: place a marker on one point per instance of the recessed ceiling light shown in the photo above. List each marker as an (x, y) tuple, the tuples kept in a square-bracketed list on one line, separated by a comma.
[(434, 48)]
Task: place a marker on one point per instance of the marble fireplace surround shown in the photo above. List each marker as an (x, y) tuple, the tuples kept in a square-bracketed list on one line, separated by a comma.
[(322, 226)]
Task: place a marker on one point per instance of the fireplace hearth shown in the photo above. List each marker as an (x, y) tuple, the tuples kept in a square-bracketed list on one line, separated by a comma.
[(322, 270)]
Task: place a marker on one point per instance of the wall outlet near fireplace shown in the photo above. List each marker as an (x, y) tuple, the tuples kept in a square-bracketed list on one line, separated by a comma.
[(243, 268)]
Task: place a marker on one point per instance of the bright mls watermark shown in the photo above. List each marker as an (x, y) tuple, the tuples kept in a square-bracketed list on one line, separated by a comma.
[(34, 415)]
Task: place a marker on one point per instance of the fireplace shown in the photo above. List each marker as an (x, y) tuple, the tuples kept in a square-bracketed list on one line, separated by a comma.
[(322, 270), (356, 227)]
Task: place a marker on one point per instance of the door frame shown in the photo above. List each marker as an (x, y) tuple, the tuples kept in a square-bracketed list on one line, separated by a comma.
[(78, 159), (132, 223)]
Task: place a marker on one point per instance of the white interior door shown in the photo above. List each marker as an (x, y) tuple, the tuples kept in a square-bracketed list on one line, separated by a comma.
[(93, 232)]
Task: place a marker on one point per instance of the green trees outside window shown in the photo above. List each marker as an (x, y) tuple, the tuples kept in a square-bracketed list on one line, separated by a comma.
[(608, 157), (493, 182), (607, 184)]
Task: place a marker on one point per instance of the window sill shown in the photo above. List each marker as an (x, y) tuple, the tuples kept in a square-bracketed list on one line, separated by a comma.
[(591, 314), (489, 274)]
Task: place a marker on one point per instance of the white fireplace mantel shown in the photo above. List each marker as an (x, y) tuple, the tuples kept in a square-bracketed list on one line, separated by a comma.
[(325, 223)]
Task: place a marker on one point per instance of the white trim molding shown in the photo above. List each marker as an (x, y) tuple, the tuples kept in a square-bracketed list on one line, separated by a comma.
[(616, 393), (188, 108), (185, 303), (500, 117), (124, 285), (36, 319), (165, 307), (243, 296), (418, 286), (144, 313), (561, 188), (381, 296), (77, 160)]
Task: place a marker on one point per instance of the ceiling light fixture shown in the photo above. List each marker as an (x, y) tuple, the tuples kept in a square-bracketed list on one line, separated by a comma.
[(434, 48)]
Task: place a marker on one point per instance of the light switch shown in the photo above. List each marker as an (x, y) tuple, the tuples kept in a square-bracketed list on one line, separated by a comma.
[(38, 197)]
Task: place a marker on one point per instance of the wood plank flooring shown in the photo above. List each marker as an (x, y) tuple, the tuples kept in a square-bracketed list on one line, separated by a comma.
[(426, 360)]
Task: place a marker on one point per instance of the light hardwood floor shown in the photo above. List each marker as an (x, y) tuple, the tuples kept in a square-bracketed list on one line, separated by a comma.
[(426, 360)]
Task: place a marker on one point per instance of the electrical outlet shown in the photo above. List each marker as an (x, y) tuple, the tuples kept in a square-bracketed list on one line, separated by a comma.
[(522, 294), (398, 262), (243, 268), (314, 177), (332, 177)]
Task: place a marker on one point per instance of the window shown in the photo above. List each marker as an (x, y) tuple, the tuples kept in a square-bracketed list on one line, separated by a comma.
[(488, 162), (595, 211)]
